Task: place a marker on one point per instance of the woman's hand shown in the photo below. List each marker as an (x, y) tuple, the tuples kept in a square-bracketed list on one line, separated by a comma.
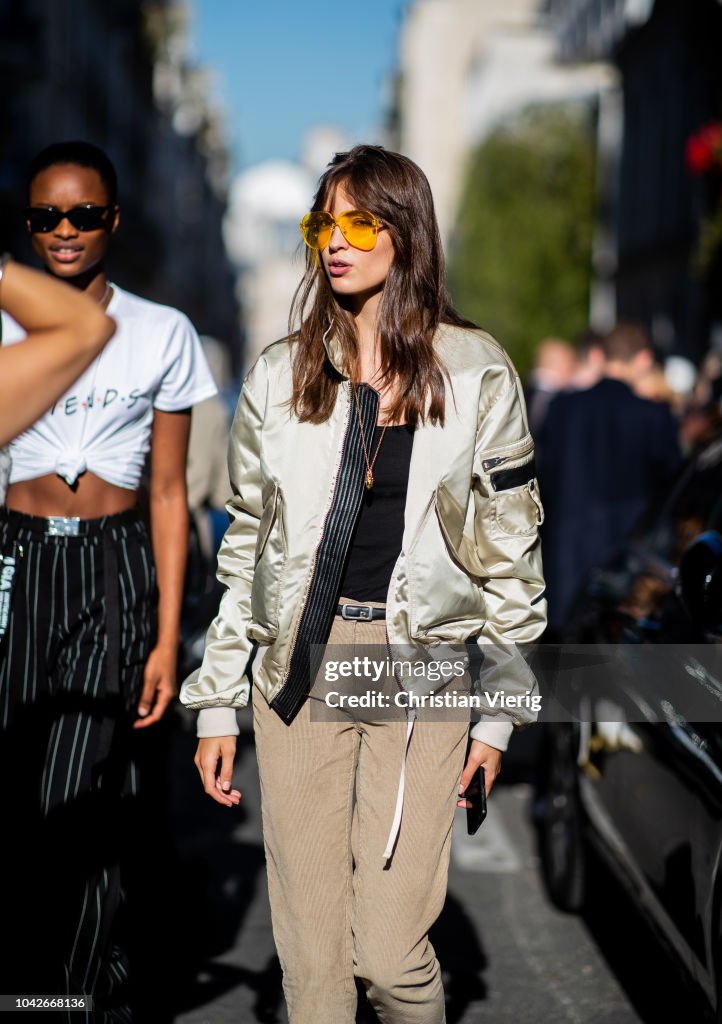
[(490, 760), (210, 750), (159, 685)]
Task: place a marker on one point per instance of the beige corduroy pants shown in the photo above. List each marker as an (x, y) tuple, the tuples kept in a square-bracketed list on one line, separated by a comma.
[(328, 795)]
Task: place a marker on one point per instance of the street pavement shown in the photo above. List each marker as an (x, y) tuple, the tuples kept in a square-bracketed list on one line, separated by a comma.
[(507, 955)]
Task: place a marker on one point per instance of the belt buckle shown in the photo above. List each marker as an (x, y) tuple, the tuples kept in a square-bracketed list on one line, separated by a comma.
[(62, 526), (362, 612)]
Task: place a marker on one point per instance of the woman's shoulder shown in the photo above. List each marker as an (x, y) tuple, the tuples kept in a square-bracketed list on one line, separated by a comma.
[(272, 364), (159, 331), (471, 350), (128, 305), (279, 352)]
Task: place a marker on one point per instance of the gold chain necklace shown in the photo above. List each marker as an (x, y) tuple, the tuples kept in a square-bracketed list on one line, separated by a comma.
[(369, 478)]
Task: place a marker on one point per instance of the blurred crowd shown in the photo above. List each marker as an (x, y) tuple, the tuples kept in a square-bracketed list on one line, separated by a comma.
[(692, 393), (613, 422)]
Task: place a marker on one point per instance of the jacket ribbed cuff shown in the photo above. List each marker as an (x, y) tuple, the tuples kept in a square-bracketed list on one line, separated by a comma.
[(494, 734), (219, 721)]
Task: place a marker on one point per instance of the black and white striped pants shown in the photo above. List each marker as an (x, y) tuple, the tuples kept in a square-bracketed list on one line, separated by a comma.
[(82, 623)]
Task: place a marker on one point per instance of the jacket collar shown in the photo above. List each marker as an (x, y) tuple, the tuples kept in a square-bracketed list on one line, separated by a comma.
[(334, 351)]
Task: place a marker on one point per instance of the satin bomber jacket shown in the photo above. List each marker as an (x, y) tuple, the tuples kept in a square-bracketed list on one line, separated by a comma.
[(470, 567)]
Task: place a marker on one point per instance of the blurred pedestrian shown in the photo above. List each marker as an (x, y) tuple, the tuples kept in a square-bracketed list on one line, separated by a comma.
[(589, 355), (603, 454), (64, 330), (91, 644), (207, 478), (207, 472), (360, 447), (652, 383), (680, 375), (208, 491), (553, 371)]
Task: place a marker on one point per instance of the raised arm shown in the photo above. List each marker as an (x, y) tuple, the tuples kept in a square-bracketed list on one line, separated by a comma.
[(65, 331)]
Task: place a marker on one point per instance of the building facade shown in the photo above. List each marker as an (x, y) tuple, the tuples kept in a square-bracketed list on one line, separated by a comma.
[(668, 57), (466, 67)]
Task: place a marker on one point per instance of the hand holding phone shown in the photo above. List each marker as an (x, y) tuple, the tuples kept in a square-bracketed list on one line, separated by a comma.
[(475, 796)]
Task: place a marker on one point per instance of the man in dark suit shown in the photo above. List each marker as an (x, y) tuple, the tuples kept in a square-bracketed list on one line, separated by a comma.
[(603, 455)]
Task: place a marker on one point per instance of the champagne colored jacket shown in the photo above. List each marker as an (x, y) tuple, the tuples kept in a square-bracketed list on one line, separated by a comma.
[(470, 567)]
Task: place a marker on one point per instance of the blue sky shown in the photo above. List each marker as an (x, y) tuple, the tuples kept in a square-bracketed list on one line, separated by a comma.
[(285, 65)]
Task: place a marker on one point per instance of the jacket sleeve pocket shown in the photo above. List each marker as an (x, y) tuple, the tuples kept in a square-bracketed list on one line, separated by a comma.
[(519, 512), (509, 475)]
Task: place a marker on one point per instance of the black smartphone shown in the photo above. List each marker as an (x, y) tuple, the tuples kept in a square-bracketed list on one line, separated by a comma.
[(475, 795)]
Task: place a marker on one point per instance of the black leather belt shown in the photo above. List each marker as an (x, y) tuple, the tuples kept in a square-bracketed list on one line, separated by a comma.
[(362, 612)]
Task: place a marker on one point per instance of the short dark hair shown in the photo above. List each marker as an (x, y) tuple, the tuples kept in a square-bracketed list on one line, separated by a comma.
[(586, 341), (625, 341), (84, 154)]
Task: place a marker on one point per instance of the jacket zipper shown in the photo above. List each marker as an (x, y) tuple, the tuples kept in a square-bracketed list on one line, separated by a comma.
[(312, 568), (499, 460)]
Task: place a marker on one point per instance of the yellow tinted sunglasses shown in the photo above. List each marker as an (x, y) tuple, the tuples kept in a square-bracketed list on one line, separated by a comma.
[(360, 228)]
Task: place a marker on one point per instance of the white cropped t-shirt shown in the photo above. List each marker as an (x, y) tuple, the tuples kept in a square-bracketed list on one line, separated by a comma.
[(103, 423)]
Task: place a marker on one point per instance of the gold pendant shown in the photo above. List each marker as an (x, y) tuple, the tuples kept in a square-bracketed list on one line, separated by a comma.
[(369, 480)]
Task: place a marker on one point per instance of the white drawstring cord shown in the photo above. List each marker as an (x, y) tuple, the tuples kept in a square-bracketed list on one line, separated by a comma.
[(396, 823)]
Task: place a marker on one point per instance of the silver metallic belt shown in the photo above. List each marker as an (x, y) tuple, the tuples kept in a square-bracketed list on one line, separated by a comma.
[(62, 526), (67, 526)]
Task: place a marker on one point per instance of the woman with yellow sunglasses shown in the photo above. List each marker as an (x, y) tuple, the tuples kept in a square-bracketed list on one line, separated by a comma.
[(384, 500)]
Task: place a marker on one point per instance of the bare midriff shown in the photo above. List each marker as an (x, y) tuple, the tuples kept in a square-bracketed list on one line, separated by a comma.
[(89, 498)]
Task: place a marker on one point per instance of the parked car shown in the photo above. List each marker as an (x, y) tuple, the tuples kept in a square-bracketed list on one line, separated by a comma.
[(638, 774)]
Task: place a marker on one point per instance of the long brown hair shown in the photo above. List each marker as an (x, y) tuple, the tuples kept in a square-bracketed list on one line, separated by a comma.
[(413, 303)]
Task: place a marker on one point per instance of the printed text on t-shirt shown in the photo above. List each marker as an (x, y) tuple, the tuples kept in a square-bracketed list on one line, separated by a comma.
[(97, 399)]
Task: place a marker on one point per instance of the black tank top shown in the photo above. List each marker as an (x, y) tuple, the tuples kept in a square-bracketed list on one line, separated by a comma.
[(376, 541)]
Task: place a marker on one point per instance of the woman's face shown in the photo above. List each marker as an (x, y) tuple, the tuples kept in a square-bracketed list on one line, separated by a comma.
[(66, 251), (354, 274)]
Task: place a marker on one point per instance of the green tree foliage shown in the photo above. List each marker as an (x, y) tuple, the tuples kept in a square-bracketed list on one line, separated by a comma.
[(520, 256)]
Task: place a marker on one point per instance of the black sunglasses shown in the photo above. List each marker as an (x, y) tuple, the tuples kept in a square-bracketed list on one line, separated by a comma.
[(42, 219)]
